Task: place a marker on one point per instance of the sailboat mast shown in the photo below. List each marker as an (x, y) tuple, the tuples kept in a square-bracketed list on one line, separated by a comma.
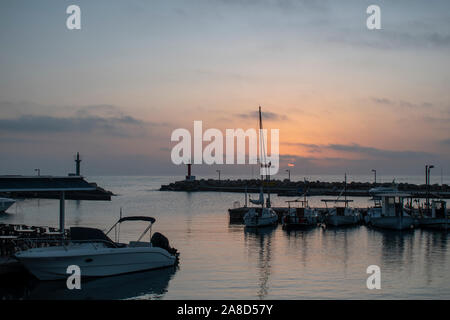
[(261, 144), (345, 189), (263, 155)]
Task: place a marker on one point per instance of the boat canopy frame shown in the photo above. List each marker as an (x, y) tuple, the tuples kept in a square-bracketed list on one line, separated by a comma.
[(304, 203), (346, 201), (151, 221)]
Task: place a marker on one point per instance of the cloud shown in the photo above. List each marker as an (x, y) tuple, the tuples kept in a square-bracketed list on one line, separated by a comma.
[(31, 118), (365, 151), (269, 116), (379, 153), (401, 103), (382, 101), (48, 124), (439, 40), (310, 147), (288, 5)]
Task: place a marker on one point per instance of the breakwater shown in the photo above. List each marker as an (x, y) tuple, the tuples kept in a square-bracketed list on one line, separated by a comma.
[(297, 188), (98, 194)]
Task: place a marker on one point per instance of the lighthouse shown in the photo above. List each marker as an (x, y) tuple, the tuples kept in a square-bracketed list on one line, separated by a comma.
[(77, 164), (189, 177)]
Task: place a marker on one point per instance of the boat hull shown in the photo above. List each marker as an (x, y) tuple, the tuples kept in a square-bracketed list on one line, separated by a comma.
[(336, 221), (434, 223), (5, 204), (394, 223), (256, 222), (103, 262)]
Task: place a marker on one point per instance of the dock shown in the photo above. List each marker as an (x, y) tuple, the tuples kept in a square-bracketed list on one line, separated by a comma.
[(14, 238)]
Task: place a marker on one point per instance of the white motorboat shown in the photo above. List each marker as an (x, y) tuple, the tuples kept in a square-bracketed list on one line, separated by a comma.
[(378, 190), (6, 203), (97, 255), (391, 214), (438, 218)]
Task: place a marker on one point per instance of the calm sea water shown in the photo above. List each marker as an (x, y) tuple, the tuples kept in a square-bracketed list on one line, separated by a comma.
[(223, 261)]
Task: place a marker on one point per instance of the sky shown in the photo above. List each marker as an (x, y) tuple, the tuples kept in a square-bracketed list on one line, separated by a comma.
[(345, 98)]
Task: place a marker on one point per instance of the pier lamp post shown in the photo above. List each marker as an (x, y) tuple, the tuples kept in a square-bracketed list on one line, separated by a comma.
[(289, 174), (218, 171), (375, 173), (38, 171)]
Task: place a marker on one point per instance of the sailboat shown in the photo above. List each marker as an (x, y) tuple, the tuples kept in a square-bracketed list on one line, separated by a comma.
[(264, 216)]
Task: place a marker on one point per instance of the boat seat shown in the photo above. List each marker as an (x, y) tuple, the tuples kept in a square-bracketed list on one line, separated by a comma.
[(90, 234)]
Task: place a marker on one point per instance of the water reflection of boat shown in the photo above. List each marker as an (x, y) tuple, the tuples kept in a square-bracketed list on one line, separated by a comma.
[(260, 240), (263, 231), (142, 285)]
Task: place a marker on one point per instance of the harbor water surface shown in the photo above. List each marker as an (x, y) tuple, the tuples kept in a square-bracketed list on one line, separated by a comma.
[(220, 260)]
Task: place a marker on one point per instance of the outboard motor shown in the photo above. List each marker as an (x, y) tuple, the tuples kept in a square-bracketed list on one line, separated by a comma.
[(160, 241)]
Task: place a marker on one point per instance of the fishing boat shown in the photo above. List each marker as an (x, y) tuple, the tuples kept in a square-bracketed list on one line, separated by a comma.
[(264, 216), (438, 219), (97, 255), (299, 217), (5, 204), (341, 214), (391, 214)]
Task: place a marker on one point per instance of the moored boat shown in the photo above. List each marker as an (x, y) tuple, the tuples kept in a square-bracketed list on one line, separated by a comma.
[(438, 219), (391, 214), (260, 217), (341, 215), (301, 217), (97, 255), (264, 216)]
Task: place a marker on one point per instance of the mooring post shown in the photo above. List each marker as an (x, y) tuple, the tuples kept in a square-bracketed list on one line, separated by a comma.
[(62, 212)]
